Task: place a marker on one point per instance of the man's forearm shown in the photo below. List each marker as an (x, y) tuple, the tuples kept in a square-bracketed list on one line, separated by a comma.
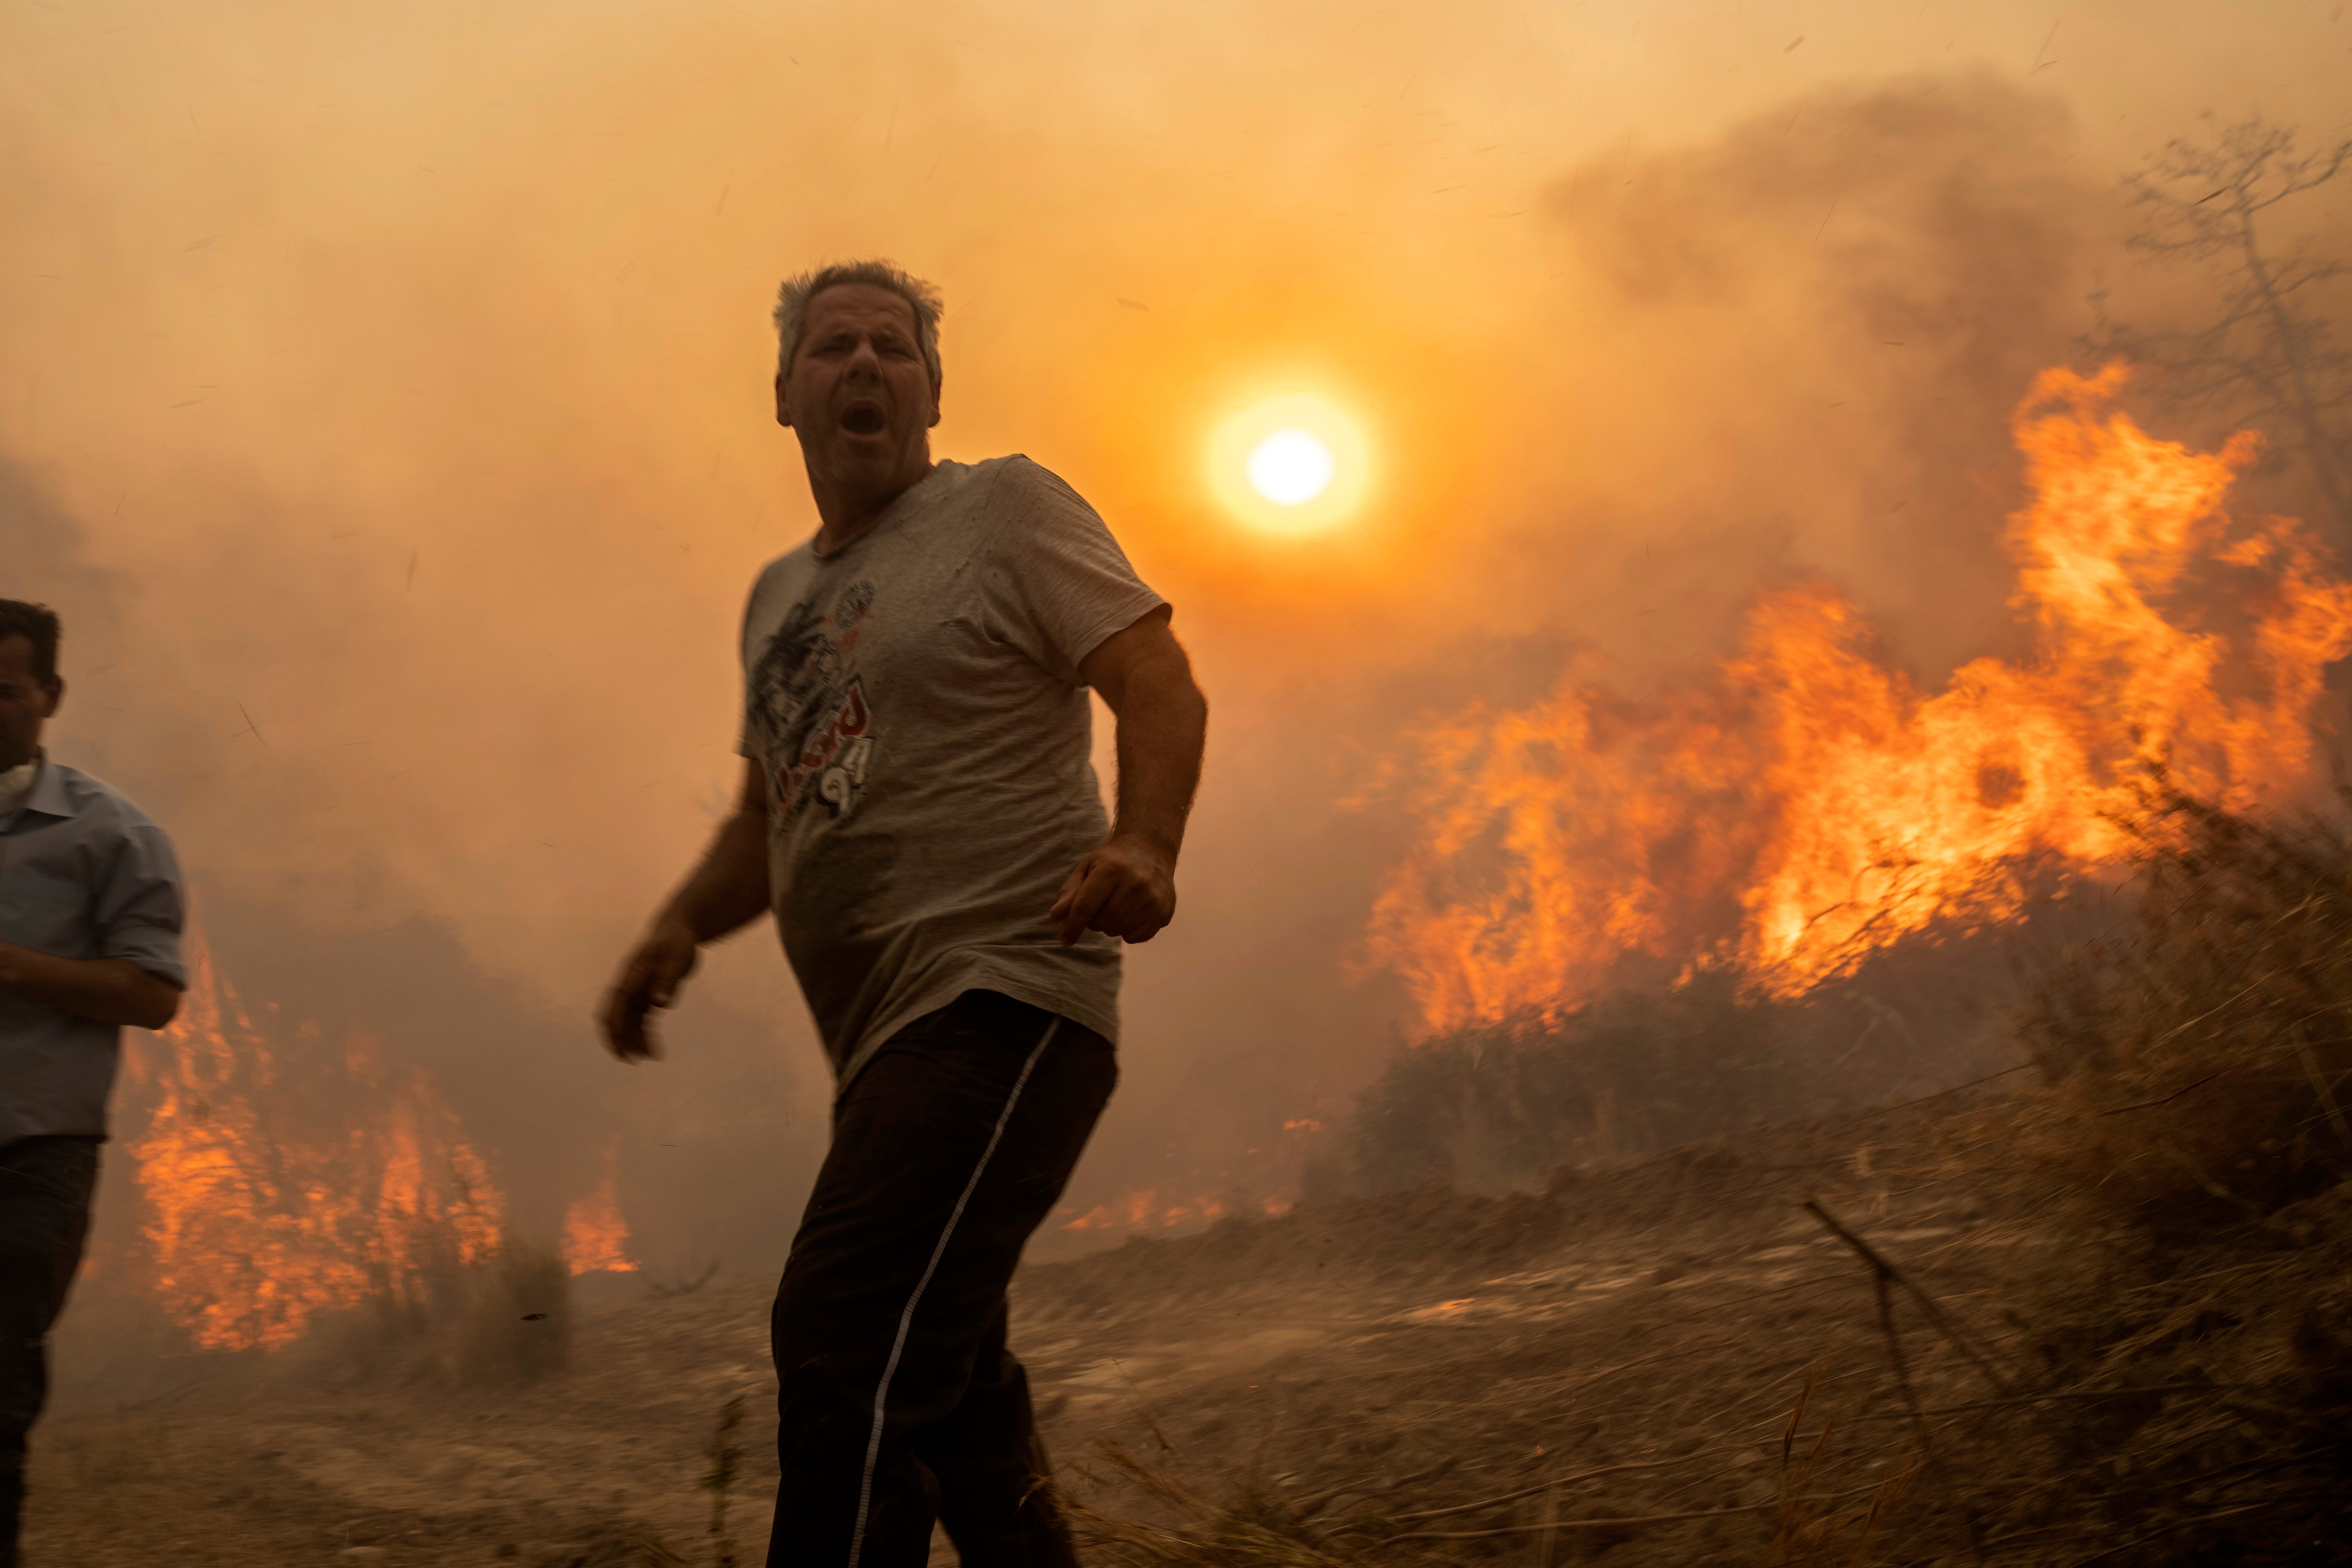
[(1163, 724), (730, 888), (107, 990)]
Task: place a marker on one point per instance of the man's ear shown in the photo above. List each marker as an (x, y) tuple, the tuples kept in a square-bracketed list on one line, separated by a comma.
[(783, 402), (937, 382), (57, 695)]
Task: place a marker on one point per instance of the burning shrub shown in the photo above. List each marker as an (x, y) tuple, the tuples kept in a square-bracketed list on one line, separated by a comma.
[(1807, 804), (269, 1196), (2196, 1063), (297, 1188)]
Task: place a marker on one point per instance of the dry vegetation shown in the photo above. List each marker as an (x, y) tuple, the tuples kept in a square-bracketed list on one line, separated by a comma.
[(2092, 1313), (2099, 1319)]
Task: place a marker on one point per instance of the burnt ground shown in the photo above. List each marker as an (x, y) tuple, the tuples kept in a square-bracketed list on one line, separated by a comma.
[(1674, 1360)]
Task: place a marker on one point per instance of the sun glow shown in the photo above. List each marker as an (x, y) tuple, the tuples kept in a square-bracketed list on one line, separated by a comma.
[(1292, 463), (1290, 468)]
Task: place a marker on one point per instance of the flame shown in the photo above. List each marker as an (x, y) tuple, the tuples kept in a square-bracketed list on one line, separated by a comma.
[(1809, 806), (596, 1236), (1140, 1209), (259, 1218)]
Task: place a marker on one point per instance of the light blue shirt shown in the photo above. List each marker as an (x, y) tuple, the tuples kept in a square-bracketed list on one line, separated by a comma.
[(83, 874)]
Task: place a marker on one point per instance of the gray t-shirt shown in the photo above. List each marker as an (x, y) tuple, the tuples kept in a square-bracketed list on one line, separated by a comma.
[(916, 705)]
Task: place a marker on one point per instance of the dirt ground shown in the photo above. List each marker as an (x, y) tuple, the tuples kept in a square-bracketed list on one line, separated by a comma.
[(1628, 1347)]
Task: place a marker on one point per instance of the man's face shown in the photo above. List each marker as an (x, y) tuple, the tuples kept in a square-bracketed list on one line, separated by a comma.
[(25, 703), (857, 392)]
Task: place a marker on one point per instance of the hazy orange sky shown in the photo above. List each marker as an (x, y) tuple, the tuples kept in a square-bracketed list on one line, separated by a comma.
[(404, 368)]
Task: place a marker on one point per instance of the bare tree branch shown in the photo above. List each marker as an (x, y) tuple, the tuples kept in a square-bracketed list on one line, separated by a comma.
[(2269, 357)]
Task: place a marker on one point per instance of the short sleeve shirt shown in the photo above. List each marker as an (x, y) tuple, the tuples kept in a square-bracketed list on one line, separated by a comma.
[(83, 874), (915, 705)]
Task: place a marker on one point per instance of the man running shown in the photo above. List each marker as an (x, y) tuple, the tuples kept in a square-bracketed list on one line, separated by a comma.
[(920, 814), (90, 907)]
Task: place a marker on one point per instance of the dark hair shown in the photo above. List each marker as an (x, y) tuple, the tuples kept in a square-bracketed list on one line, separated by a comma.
[(38, 625)]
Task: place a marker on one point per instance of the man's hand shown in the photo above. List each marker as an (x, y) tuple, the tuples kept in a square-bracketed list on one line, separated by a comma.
[(728, 891), (649, 978), (1127, 888)]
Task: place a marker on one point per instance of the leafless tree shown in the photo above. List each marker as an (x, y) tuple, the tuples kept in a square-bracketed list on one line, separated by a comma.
[(2268, 357)]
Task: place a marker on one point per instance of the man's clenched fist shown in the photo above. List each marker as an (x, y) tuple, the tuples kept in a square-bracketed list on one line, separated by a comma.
[(1127, 888)]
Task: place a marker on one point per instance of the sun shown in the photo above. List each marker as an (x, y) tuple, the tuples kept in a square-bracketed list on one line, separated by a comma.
[(1290, 468), (1291, 462)]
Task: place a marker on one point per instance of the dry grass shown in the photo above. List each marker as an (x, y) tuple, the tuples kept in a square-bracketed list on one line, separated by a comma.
[(2135, 1353), (2196, 1373), (2196, 1065)]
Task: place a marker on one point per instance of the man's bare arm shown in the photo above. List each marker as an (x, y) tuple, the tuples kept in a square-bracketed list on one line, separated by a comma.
[(109, 990), (1128, 886), (727, 891)]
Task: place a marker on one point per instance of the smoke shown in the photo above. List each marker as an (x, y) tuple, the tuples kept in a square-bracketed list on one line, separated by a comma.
[(386, 413), (326, 947), (1812, 331)]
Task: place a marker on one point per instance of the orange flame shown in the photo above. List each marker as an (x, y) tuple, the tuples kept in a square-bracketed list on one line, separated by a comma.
[(1140, 1209), (596, 1236), (1813, 803), (257, 1223)]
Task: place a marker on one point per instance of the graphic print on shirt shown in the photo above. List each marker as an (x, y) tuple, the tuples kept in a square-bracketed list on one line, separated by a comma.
[(808, 701)]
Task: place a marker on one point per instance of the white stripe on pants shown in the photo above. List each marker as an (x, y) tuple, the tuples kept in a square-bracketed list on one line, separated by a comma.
[(907, 1318)]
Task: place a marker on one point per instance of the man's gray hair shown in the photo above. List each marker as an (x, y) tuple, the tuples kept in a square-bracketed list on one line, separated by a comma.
[(793, 297)]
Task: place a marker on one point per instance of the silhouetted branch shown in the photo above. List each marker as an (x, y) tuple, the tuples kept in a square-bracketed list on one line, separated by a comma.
[(2267, 357)]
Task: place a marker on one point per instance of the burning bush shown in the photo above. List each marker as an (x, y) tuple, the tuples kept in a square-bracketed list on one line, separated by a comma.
[(1807, 831), (1808, 804), (268, 1201), (296, 1188)]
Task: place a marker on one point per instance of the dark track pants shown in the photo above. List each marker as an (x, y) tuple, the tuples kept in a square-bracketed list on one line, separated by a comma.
[(898, 1402), (45, 1192)]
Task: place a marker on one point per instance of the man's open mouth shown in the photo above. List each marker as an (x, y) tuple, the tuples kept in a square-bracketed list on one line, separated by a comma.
[(863, 418)]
